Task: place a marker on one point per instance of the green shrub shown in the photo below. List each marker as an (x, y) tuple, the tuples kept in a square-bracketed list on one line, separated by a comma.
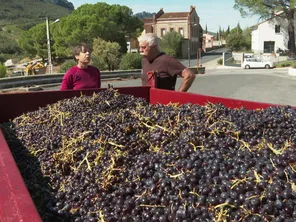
[(171, 52), (67, 65), (171, 44), (131, 61), (220, 61), (284, 64), (2, 58), (3, 71)]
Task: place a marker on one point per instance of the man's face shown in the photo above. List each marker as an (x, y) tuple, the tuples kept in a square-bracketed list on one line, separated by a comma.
[(145, 48), (84, 56)]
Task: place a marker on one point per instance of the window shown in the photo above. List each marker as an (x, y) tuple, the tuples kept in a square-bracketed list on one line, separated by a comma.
[(181, 31), (171, 29), (162, 32), (268, 47), (277, 29)]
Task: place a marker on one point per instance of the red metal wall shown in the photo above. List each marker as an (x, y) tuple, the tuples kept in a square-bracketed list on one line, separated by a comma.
[(15, 201), (165, 97)]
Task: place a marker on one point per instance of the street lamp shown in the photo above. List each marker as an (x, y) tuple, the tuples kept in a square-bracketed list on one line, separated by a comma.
[(48, 45), (189, 42)]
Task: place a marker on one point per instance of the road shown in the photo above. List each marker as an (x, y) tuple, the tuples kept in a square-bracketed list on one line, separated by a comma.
[(261, 85), (207, 57)]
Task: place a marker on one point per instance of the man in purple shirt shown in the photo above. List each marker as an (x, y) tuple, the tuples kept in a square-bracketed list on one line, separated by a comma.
[(81, 76)]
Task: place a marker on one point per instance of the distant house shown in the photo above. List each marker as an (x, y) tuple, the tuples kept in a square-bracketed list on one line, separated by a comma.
[(186, 23), (270, 36), (208, 41)]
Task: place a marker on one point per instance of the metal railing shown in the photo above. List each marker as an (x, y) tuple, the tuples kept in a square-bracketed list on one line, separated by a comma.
[(22, 81)]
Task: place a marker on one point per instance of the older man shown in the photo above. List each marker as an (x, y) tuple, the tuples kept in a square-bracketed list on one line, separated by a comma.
[(161, 68)]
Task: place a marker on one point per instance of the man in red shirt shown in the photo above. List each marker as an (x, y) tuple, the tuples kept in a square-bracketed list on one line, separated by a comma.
[(81, 76), (160, 70)]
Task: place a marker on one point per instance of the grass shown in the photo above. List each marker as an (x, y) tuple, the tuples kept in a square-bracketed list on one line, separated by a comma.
[(286, 63)]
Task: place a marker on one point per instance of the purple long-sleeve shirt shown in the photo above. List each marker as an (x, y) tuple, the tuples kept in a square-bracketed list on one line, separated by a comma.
[(76, 78)]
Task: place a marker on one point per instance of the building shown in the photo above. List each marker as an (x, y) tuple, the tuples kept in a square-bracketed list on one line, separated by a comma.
[(186, 23), (208, 41), (270, 36)]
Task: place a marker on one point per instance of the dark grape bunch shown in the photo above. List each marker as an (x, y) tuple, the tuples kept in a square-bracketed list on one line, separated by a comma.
[(113, 157)]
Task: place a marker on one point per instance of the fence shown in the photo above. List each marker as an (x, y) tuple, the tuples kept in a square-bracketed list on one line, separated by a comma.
[(20, 81)]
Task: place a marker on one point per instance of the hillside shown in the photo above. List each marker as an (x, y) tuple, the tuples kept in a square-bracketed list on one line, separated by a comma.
[(145, 14), (26, 13)]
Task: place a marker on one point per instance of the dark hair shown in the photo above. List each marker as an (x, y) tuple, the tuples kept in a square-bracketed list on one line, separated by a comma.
[(80, 48)]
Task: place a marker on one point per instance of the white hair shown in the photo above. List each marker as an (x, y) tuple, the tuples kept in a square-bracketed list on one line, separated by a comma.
[(150, 38)]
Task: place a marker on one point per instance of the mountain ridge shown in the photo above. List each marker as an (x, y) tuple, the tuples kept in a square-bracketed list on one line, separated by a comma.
[(32, 11)]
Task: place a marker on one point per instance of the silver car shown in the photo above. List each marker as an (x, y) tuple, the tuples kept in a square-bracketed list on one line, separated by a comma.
[(257, 63)]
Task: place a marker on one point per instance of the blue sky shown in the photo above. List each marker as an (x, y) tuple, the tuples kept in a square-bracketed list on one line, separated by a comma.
[(213, 13)]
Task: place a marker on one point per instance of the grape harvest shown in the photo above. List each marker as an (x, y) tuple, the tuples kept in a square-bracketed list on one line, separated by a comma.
[(114, 157)]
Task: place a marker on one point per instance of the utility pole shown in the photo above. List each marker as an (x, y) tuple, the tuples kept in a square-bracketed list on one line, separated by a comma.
[(48, 47)]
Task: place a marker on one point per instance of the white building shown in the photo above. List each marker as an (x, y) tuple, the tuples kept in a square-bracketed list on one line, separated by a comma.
[(270, 36)]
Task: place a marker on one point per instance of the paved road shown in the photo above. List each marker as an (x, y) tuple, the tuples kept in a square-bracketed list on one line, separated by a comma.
[(211, 56), (271, 86)]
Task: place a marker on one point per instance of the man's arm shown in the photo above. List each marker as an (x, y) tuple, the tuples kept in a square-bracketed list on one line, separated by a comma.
[(187, 79)]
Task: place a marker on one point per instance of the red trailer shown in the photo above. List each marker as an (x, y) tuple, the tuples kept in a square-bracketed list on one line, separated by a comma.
[(15, 201)]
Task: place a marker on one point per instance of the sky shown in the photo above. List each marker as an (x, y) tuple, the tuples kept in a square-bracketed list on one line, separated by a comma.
[(212, 13)]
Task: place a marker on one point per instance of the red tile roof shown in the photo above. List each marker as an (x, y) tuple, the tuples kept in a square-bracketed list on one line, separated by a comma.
[(174, 15)]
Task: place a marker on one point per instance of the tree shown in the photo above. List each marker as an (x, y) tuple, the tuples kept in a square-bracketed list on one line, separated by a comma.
[(220, 32), (171, 43), (238, 39), (227, 31), (33, 41), (145, 14), (235, 41), (131, 61), (266, 10), (206, 29), (3, 71), (8, 45), (237, 30), (247, 36), (106, 54), (2, 58), (110, 22)]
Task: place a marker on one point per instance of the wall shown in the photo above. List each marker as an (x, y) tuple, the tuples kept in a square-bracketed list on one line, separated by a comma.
[(175, 24), (266, 32)]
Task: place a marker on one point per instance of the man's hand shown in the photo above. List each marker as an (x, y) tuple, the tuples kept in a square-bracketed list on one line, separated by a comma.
[(187, 79)]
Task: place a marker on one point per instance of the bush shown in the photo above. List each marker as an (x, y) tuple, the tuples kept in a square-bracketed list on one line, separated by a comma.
[(3, 71), (284, 64), (131, 61), (67, 65), (2, 58), (170, 52), (171, 44), (220, 61)]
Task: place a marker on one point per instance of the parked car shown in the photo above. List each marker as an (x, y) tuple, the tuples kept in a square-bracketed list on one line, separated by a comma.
[(257, 63)]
